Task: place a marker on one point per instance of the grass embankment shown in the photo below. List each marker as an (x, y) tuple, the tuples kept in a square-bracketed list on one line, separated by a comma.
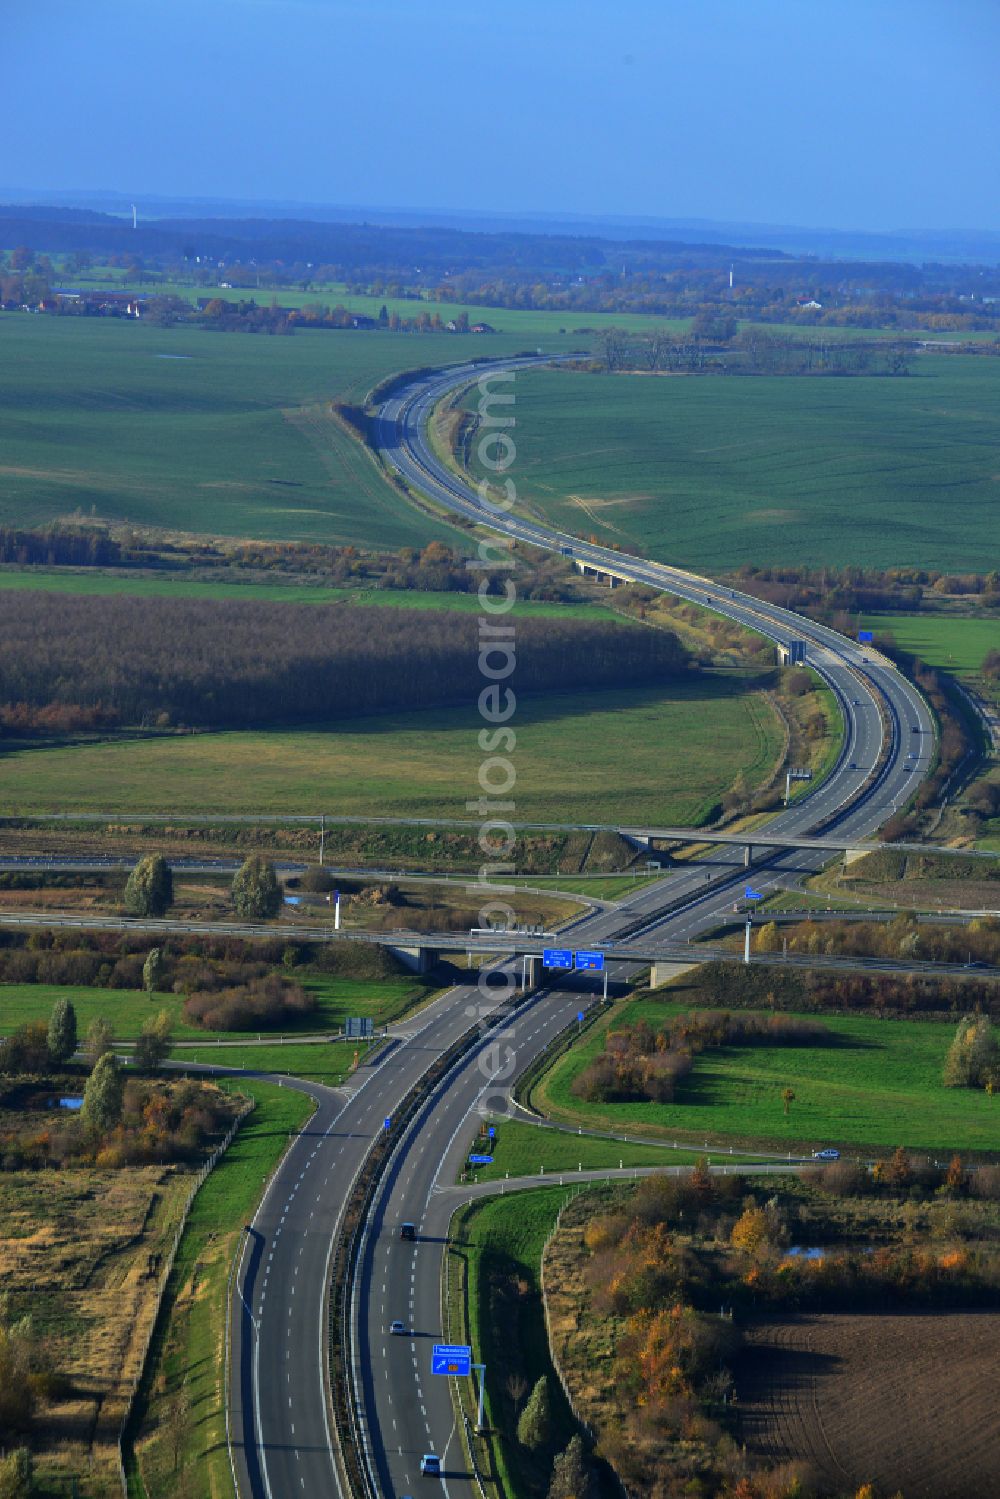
[(181, 1449), (707, 472), (523, 1149), (687, 744), (878, 1086), (328, 1063), (127, 1010), (494, 1260), (601, 887)]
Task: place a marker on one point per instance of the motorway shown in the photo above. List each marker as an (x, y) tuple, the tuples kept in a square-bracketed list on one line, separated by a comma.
[(280, 1423)]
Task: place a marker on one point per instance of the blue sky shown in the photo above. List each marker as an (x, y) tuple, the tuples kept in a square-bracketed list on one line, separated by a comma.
[(867, 114)]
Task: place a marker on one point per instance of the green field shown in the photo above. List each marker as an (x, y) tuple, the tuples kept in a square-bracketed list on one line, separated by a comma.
[(143, 585), (878, 1087), (523, 1149), (714, 472), (955, 644), (180, 428), (127, 1010), (183, 1389), (687, 744)]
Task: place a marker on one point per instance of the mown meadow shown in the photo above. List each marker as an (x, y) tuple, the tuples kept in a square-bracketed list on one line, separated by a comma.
[(875, 1084)]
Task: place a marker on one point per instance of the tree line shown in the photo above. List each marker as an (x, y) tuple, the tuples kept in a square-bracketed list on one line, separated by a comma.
[(818, 991), (713, 346), (209, 664)]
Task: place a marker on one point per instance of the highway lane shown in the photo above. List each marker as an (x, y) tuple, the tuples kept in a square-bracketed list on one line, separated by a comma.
[(406, 1410), (281, 1441)]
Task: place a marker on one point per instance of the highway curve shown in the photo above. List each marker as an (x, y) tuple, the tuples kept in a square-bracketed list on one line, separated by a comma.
[(281, 1437)]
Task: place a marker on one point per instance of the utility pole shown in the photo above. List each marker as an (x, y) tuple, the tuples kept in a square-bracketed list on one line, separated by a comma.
[(322, 836), (746, 944)]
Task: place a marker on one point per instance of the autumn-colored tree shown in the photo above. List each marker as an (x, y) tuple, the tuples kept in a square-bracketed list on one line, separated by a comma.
[(956, 1179), (750, 1231), (895, 1173), (700, 1180), (972, 1056)]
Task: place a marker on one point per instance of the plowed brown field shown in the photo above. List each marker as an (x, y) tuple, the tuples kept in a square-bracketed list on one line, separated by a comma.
[(902, 1401)]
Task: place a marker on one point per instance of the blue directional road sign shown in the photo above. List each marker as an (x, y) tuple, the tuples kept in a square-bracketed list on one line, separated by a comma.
[(865, 637), (557, 957), (387, 1122), (492, 1132), (480, 1160), (750, 894), (451, 1358), (592, 960)]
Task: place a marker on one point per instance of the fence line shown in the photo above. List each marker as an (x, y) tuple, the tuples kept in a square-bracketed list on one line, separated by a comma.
[(204, 1171)]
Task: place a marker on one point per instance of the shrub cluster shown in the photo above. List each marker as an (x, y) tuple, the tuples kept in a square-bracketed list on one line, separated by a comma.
[(160, 1122), (643, 1064), (262, 1003)]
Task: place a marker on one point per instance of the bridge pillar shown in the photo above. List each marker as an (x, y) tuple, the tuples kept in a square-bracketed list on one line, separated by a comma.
[(531, 972), (747, 855), (418, 959)]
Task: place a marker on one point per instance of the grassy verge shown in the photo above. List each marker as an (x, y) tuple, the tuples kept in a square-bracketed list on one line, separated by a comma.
[(328, 1063), (127, 1010), (493, 1266), (601, 887), (181, 1449), (522, 1149), (878, 1085)]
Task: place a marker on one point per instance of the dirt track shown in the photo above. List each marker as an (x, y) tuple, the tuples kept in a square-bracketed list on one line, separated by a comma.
[(903, 1401)]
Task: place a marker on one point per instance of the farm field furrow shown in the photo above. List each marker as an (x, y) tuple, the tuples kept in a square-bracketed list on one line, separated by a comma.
[(902, 1401)]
